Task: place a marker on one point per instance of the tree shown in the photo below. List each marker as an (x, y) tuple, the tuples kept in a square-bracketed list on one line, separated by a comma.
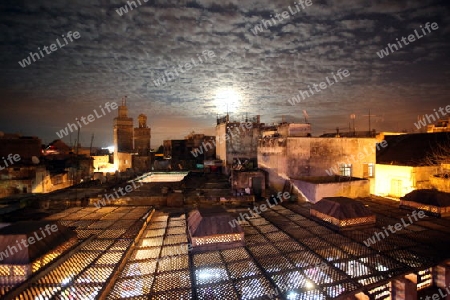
[(440, 157)]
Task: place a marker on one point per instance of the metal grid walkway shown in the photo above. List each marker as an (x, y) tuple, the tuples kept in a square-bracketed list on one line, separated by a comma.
[(85, 273), (414, 249), (159, 266), (287, 256)]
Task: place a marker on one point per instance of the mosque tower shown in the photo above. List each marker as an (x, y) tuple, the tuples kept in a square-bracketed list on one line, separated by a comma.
[(123, 129), (142, 136)]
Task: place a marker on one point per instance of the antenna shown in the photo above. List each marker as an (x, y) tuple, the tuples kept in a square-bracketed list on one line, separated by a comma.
[(370, 115), (305, 114), (78, 139), (90, 148)]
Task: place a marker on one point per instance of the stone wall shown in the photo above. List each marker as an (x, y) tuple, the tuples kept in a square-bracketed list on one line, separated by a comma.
[(122, 161), (440, 183), (237, 140), (296, 157), (141, 163), (316, 191), (316, 156), (396, 181), (243, 180), (272, 156)]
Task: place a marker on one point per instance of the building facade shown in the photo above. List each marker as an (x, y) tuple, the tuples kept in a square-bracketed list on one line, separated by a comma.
[(131, 142), (142, 136), (123, 130), (412, 161), (442, 125), (289, 159), (237, 143)]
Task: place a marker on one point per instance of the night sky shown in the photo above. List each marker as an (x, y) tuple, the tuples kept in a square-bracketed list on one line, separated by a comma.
[(123, 55)]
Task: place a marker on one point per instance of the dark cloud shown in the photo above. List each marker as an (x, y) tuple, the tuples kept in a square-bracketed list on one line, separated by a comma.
[(124, 55)]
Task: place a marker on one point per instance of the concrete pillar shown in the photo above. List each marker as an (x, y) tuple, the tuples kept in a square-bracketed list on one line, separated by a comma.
[(403, 289), (359, 296), (441, 278)]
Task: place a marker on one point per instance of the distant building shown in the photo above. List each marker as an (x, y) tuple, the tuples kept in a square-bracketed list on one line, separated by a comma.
[(64, 167), (288, 130), (123, 130), (38, 169), (350, 133), (175, 149), (60, 148), (442, 125), (191, 152), (142, 163), (123, 161), (410, 162), (317, 165), (176, 155), (206, 145), (237, 143), (247, 182), (19, 176), (132, 146), (141, 160), (104, 163), (142, 136), (24, 179), (123, 138), (25, 146)]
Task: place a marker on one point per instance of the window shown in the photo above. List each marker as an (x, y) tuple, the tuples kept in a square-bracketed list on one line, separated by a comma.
[(368, 170), (346, 170)]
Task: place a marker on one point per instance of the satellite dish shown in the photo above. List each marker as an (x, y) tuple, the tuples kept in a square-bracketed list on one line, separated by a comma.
[(35, 160)]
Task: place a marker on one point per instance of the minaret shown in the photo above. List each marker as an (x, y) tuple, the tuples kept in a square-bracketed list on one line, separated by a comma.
[(142, 136), (123, 129)]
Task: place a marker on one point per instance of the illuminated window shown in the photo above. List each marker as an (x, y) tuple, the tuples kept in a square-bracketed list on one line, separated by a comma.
[(368, 170), (346, 170)]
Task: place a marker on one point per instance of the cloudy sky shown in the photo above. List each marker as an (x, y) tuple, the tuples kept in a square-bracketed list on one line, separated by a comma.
[(118, 55)]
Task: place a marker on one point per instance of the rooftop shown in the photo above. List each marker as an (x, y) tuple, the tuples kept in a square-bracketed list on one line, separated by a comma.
[(286, 253), (342, 208), (430, 197)]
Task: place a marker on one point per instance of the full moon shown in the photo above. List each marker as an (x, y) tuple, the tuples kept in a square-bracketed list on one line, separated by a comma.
[(227, 100)]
